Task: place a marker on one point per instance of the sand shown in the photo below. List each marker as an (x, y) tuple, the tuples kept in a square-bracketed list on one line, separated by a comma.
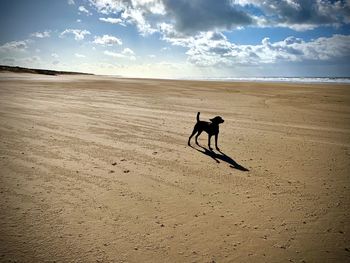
[(97, 169)]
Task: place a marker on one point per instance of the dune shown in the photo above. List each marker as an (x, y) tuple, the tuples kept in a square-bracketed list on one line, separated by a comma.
[(21, 70), (97, 169)]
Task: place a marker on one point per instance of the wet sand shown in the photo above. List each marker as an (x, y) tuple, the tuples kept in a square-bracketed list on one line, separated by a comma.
[(97, 169)]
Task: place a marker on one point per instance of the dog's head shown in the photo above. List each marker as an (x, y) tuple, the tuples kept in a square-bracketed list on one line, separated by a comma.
[(217, 120)]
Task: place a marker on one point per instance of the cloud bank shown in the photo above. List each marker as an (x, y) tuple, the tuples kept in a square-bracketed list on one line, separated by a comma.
[(191, 17)]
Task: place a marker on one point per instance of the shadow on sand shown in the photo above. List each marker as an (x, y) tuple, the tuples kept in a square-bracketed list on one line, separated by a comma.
[(221, 156)]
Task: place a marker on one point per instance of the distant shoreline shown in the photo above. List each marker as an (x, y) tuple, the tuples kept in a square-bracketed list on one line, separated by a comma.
[(301, 80)]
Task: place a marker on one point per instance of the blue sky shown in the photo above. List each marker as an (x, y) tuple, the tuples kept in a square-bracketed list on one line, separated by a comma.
[(179, 38)]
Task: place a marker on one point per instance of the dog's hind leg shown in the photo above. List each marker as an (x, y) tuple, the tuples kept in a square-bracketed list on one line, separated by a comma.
[(193, 133), (199, 133)]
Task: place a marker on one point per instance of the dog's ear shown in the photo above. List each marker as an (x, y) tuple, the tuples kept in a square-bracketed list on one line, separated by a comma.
[(212, 120)]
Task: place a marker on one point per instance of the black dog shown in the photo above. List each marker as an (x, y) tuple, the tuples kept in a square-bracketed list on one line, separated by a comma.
[(212, 128)]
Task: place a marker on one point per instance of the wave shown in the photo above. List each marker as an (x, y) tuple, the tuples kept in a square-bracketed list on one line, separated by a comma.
[(280, 79)]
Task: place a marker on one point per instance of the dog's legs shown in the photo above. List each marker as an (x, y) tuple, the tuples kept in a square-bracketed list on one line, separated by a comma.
[(216, 142), (193, 133), (209, 137), (199, 133)]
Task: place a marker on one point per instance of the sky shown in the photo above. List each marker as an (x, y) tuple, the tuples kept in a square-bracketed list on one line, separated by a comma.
[(179, 38)]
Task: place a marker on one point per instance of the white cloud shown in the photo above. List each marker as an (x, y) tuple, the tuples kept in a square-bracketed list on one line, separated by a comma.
[(14, 46), (170, 34), (108, 6), (112, 20), (126, 53), (79, 55), (137, 17), (135, 12), (82, 9), (71, 2), (54, 55), (78, 20), (43, 34), (78, 34), (115, 6), (107, 40), (113, 54)]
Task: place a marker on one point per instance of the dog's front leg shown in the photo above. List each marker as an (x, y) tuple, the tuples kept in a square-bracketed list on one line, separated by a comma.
[(209, 137), (216, 142)]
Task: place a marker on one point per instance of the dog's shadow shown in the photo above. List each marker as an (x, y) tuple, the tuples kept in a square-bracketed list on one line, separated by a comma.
[(221, 156)]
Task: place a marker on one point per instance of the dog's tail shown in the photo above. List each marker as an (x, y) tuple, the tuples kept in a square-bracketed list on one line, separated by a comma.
[(198, 116)]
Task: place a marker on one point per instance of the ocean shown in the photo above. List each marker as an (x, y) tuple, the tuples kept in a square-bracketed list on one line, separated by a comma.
[(340, 80)]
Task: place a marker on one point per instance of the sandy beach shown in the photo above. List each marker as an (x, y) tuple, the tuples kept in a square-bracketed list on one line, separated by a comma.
[(97, 169)]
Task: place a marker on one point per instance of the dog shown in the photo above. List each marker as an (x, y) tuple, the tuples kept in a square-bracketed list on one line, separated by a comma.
[(212, 128)]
